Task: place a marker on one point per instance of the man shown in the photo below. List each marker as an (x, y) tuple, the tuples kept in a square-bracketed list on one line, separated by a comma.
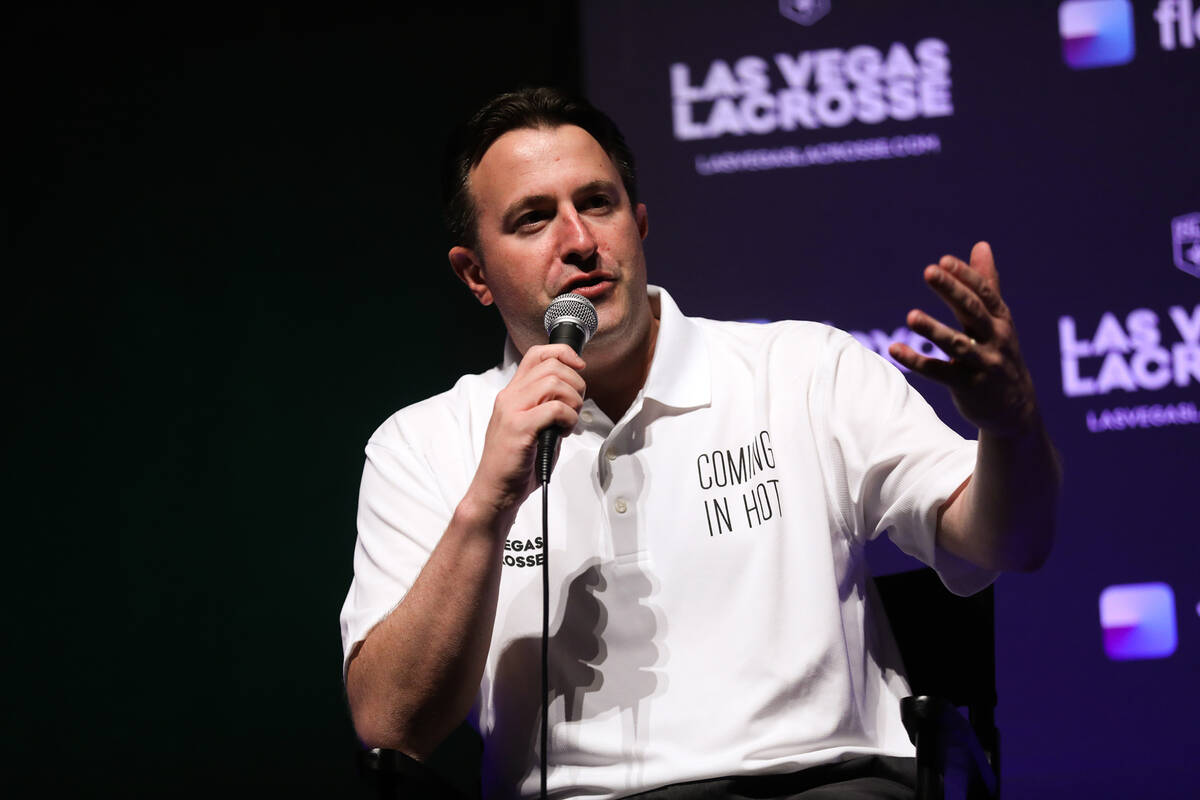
[(711, 499)]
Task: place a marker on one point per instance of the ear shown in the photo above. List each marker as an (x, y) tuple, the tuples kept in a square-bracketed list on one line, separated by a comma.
[(643, 221), (469, 268)]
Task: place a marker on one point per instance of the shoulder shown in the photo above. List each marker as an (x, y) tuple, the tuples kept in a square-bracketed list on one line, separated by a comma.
[(793, 344), (755, 333), (443, 414)]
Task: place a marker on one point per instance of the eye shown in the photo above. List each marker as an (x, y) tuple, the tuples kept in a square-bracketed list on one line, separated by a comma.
[(532, 218), (599, 202)]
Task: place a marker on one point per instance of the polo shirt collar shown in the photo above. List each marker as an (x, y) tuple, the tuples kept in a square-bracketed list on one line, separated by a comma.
[(680, 375)]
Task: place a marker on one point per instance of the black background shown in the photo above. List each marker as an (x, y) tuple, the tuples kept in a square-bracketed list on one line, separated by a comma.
[(225, 268)]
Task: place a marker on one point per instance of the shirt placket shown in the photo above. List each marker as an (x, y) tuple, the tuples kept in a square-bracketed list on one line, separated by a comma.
[(623, 483)]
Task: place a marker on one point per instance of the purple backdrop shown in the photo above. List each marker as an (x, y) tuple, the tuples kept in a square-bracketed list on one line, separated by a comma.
[(808, 159)]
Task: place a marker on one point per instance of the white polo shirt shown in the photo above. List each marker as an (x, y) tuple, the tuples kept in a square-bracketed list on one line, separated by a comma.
[(709, 611)]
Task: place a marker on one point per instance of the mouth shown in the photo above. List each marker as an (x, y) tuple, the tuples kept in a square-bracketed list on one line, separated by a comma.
[(591, 285)]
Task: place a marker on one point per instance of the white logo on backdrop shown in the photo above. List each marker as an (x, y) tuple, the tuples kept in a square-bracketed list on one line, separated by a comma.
[(1140, 354), (811, 90), (1132, 356), (1178, 24), (806, 12)]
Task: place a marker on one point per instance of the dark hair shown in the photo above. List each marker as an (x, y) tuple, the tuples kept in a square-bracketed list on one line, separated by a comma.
[(527, 108)]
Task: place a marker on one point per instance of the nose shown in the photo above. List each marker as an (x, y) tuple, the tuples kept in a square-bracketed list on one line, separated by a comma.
[(578, 244)]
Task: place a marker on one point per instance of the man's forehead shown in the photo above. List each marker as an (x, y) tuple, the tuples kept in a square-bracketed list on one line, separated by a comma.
[(531, 136), (523, 158)]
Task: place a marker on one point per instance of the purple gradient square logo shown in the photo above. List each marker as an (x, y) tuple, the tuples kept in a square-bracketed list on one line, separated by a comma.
[(1096, 33), (1138, 620)]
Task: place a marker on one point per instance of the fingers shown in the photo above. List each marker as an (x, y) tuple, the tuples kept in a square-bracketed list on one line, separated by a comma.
[(546, 389), (984, 263), (550, 382), (544, 352), (550, 371), (944, 372), (980, 276), (954, 343), (952, 281), (552, 413)]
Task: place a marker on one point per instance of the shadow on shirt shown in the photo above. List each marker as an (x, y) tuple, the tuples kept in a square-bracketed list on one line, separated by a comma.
[(604, 657)]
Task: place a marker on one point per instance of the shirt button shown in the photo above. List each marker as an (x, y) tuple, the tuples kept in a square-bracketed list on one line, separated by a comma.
[(611, 455), (586, 416), (621, 506)]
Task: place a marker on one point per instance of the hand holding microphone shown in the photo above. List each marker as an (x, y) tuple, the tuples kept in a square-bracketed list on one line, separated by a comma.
[(571, 320), (543, 397)]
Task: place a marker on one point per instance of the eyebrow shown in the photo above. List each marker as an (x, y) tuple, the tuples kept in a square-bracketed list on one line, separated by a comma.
[(601, 186), (596, 186)]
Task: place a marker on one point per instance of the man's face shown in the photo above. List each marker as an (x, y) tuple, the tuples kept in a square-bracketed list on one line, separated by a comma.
[(552, 216)]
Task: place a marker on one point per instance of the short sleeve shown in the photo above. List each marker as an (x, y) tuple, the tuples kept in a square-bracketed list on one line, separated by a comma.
[(894, 462), (402, 514)]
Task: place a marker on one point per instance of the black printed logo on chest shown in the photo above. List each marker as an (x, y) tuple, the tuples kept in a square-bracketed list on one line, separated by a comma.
[(740, 486), (519, 552)]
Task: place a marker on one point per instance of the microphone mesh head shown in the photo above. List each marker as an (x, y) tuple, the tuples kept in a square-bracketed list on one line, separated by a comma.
[(572, 308)]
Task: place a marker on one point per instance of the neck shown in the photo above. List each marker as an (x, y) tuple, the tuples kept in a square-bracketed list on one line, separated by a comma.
[(614, 379)]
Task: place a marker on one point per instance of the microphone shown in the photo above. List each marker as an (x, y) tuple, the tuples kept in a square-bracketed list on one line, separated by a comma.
[(571, 320)]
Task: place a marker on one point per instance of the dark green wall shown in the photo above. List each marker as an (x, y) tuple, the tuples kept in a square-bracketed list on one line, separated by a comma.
[(225, 269)]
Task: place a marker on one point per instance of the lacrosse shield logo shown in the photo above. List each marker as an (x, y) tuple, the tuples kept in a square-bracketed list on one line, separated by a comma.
[(805, 12), (1185, 242)]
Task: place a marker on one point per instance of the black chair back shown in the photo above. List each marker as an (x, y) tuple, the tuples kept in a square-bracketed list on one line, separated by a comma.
[(948, 645)]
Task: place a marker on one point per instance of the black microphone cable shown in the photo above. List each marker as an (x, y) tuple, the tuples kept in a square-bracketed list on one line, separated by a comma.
[(570, 319), (545, 625)]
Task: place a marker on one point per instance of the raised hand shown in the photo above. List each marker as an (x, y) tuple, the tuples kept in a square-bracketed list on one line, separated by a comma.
[(991, 386)]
